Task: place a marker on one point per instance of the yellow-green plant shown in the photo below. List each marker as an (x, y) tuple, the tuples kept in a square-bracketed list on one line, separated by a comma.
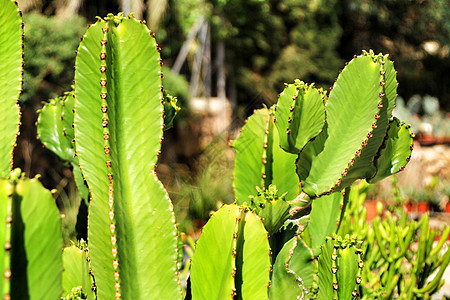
[(279, 240)]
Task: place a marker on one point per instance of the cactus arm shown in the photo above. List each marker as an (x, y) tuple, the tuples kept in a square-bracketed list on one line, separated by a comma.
[(51, 128), (300, 115), (253, 259), (422, 247), (118, 130), (395, 152), (76, 271), (347, 275), (437, 248), (377, 226), (283, 167), (54, 129), (354, 111), (213, 264), (11, 70), (260, 161), (36, 241), (285, 285), (434, 284), (248, 170)]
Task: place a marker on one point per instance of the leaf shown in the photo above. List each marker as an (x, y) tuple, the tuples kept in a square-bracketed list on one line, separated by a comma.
[(36, 261), (213, 263), (300, 115), (10, 80), (395, 151), (140, 209)]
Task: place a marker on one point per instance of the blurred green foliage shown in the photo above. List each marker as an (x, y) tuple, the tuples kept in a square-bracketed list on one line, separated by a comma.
[(416, 34), (50, 45), (275, 41)]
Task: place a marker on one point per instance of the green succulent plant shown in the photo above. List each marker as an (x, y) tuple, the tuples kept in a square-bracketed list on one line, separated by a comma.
[(288, 235)]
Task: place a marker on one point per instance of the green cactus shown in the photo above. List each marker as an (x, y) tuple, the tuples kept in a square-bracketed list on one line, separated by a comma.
[(232, 257), (300, 114), (31, 258), (76, 277), (120, 112), (399, 254), (259, 160), (296, 263), (340, 267), (11, 73), (118, 130), (55, 130), (358, 110), (273, 209)]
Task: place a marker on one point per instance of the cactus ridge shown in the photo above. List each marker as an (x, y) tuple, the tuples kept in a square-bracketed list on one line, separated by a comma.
[(107, 150)]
